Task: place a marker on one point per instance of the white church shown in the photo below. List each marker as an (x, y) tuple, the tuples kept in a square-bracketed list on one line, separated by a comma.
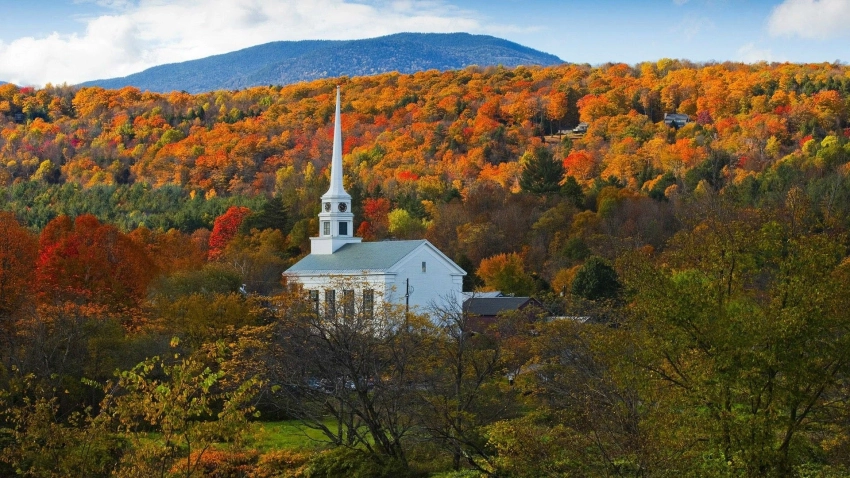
[(342, 267)]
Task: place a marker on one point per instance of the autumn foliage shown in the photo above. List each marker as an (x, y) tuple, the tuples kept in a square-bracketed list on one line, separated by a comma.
[(376, 221), (506, 273), (693, 273), (460, 157), (224, 229), (18, 251), (89, 262)]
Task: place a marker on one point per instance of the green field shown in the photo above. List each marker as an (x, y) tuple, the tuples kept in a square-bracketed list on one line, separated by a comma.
[(285, 435)]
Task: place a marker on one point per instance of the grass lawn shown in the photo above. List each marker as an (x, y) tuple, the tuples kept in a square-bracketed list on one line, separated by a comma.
[(289, 434)]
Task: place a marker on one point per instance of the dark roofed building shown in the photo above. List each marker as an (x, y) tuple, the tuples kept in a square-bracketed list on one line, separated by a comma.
[(484, 310), (676, 120)]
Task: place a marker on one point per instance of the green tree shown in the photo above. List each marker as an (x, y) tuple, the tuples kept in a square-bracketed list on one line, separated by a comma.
[(205, 318), (462, 393), (179, 400), (404, 225), (744, 323), (260, 257), (211, 279), (541, 172), (39, 440), (572, 190), (271, 215), (595, 280)]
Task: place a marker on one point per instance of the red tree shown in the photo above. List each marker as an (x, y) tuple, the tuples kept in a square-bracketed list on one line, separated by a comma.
[(376, 224), (225, 228), (89, 262)]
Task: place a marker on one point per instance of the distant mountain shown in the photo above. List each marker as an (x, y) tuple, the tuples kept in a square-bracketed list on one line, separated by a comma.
[(288, 62)]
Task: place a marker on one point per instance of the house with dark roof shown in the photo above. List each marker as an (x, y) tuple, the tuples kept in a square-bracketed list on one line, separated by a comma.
[(484, 311), (340, 267), (676, 120)]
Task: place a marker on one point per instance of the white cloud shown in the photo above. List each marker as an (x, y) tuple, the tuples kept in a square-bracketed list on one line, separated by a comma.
[(818, 19), (750, 53), (141, 34)]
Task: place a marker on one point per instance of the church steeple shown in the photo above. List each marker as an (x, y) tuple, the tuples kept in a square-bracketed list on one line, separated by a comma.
[(336, 222), (337, 189)]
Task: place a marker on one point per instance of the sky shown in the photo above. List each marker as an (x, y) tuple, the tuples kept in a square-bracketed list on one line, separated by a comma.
[(70, 41)]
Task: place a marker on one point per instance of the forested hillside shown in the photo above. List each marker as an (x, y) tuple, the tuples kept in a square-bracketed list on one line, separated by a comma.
[(697, 275), (286, 62), (446, 150)]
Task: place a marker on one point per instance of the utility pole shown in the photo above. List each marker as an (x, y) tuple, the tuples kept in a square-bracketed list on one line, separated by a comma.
[(407, 291)]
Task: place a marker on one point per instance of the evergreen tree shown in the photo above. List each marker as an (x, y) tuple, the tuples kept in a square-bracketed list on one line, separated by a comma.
[(272, 215), (596, 280), (541, 172), (572, 190)]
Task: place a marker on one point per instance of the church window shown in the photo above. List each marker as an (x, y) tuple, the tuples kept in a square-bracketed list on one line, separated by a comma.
[(343, 228), (330, 303), (368, 303), (314, 300), (326, 228), (348, 303)]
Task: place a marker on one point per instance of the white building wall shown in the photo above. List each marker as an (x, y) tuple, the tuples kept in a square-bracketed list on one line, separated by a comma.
[(435, 286), (376, 282), (380, 283), (432, 287)]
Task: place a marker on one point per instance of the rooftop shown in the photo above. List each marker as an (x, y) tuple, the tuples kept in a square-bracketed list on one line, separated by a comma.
[(364, 256), (491, 306)]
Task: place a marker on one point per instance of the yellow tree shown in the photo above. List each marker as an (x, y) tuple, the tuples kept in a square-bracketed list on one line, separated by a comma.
[(506, 273)]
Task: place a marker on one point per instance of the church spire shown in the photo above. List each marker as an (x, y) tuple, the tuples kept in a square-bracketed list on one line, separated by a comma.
[(337, 189), (336, 222)]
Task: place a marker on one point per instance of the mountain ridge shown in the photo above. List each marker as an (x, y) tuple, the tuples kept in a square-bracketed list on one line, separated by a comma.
[(287, 62)]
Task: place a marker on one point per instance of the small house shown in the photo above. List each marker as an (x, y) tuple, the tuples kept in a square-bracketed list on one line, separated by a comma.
[(484, 311), (676, 120)]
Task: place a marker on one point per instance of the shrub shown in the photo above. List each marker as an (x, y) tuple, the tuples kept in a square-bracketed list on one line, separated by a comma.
[(282, 464)]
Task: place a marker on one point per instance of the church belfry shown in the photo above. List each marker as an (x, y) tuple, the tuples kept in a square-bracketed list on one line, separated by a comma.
[(336, 221)]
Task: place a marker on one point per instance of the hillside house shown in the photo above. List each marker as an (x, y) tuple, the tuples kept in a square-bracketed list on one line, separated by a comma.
[(676, 120)]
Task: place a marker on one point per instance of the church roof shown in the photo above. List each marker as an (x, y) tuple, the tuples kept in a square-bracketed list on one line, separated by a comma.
[(364, 256)]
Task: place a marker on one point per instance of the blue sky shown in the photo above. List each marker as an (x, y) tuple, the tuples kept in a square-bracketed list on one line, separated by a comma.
[(71, 41)]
